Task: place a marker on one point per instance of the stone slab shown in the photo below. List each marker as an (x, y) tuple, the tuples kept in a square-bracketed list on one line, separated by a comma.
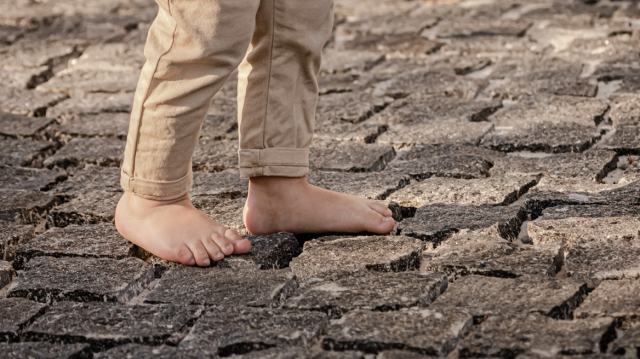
[(556, 110), (485, 191), (589, 211), (339, 293), (349, 156), (469, 254), (299, 353), (482, 27), (227, 212), (92, 103), (424, 331), (590, 165), (342, 61), (22, 126), (627, 345), (89, 179), (576, 231), (88, 208), (13, 235), (220, 127), (114, 125), (444, 132), (105, 325), (6, 273), (80, 151), (31, 179), (92, 241), (225, 184), (592, 262), (377, 253), (406, 43), (238, 330), (223, 287), (613, 299), (625, 141), (17, 313), (23, 206), (79, 81), (50, 279), (27, 102), (427, 82), (35, 350), (26, 153), (482, 295), (154, 352), (435, 223), (353, 107), (366, 185), (215, 156), (503, 336), (542, 137)]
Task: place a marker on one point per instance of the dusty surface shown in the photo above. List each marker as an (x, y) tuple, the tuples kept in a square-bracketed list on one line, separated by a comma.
[(504, 135)]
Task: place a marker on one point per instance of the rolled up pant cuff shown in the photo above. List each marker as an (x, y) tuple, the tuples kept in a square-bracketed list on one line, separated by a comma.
[(280, 162), (157, 190)]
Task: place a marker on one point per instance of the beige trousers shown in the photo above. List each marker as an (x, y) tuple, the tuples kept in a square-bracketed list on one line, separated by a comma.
[(192, 48)]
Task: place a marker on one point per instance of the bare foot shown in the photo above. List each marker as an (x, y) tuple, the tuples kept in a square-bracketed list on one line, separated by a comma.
[(281, 204), (176, 231)]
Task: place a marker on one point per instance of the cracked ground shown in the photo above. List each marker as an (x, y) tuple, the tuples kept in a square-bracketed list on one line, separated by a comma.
[(504, 135)]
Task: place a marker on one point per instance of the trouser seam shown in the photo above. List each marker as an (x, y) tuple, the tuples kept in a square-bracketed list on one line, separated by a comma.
[(146, 95), (266, 107)]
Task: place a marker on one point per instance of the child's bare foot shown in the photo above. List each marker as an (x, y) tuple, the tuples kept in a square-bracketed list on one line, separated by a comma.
[(281, 204), (176, 231)]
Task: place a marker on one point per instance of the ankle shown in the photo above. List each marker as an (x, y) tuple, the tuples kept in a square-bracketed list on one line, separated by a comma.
[(276, 186), (136, 202)]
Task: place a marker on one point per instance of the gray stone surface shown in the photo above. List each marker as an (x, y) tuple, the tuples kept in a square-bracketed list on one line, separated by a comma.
[(94, 241), (436, 222), (485, 191), (590, 165), (425, 331), (342, 61), (215, 156), (92, 103), (439, 133), (6, 273), (353, 107), (378, 253), (367, 185), (225, 184), (223, 210), (613, 299), (576, 231), (427, 82), (23, 206), (482, 296), (542, 137), (430, 161), (13, 235), (22, 126), (223, 287), (114, 125), (25, 102), (590, 211), (220, 127), (466, 254), (238, 330), (299, 353), (338, 293), (628, 344), (80, 151), (156, 352), (349, 156), (29, 178), (80, 81), (624, 141), (17, 313), (37, 350), (89, 179), (27, 153), (51, 279), (105, 325), (507, 336), (273, 251), (88, 208)]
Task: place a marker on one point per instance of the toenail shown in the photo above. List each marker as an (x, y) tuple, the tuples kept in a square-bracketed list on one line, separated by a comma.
[(206, 262), (387, 219), (191, 261), (230, 248), (218, 256)]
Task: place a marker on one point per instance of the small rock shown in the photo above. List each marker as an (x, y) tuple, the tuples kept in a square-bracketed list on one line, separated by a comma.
[(17, 313)]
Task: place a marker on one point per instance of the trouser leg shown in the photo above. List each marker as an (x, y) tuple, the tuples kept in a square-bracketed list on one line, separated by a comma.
[(277, 87), (192, 47)]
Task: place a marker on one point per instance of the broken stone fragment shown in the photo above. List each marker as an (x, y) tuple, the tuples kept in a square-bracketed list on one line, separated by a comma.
[(366, 185), (428, 83), (338, 293), (95, 241), (226, 287), (25, 102), (628, 344), (347, 156), (595, 261), (435, 223), (536, 333), (624, 141), (50, 279), (92, 103), (426, 161), (238, 330), (156, 352), (378, 253), (590, 211), (13, 235), (425, 331), (90, 178), (22, 206), (342, 61), (105, 325), (24, 152), (80, 151), (352, 107), (6, 273), (17, 313), (446, 132), (79, 81), (486, 191), (88, 208), (482, 295), (30, 179), (22, 126), (114, 125), (298, 353), (618, 299), (574, 231), (37, 350)]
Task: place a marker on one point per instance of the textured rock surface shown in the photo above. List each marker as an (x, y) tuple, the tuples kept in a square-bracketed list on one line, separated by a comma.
[(575, 231), (99, 151), (225, 184), (157, 352), (589, 211), (380, 253), (89, 208), (93, 125), (349, 156), (482, 295), (424, 331), (299, 353), (29, 178), (22, 126), (223, 210), (225, 287), (50, 279), (367, 185), (439, 133), (628, 344), (90, 178), (14, 152), (24, 206), (17, 313), (614, 299), (6, 273), (96, 241), (105, 325), (45, 350), (92, 103), (435, 223), (338, 293), (12, 235), (238, 330), (215, 156)]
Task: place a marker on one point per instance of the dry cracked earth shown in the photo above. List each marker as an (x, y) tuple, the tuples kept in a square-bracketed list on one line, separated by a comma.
[(504, 135)]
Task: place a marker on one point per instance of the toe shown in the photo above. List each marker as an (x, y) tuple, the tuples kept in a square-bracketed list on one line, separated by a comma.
[(185, 256), (200, 254), (224, 244), (380, 208), (212, 249), (377, 223), (240, 245)]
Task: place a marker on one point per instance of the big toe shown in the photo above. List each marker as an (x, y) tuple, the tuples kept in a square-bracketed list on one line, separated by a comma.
[(240, 245), (380, 208), (377, 223)]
